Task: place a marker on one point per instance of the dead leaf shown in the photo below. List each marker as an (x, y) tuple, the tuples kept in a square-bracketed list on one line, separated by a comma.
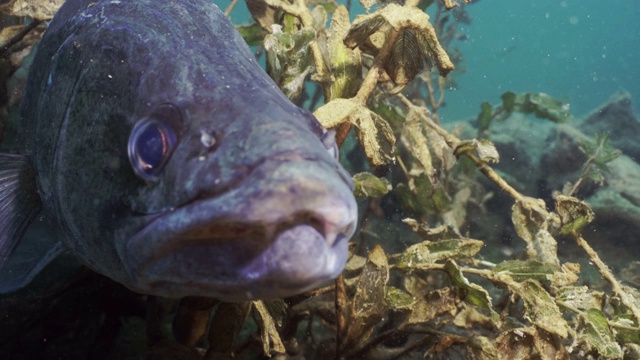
[(35, 9), (271, 342)]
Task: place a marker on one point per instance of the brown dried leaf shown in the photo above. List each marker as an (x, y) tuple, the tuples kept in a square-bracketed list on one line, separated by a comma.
[(271, 342), (362, 28), (425, 254), (581, 297), (336, 112), (531, 222), (441, 232), (473, 317), (434, 304), (574, 214), (369, 302), (540, 308), (400, 18), (481, 348), (226, 325), (262, 13), (367, 4), (405, 61), (414, 139), (485, 150), (35, 9), (375, 136), (529, 342), (515, 344)]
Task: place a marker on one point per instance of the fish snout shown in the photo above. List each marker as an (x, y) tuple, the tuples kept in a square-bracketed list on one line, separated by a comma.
[(281, 231)]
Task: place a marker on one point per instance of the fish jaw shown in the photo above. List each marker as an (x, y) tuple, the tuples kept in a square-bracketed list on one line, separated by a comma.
[(281, 231)]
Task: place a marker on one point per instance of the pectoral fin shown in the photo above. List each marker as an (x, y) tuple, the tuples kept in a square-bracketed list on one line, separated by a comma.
[(19, 201)]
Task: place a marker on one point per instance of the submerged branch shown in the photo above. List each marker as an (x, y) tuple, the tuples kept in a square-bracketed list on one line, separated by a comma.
[(19, 36), (608, 275)]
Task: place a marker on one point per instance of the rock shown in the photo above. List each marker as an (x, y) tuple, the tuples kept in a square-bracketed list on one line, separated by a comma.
[(617, 118)]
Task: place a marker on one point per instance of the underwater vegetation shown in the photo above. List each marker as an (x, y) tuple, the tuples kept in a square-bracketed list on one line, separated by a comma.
[(462, 246)]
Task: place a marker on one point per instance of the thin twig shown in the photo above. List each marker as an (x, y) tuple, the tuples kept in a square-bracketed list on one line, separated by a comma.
[(587, 168), (19, 36), (453, 143), (371, 80), (369, 83), (608, 275), (229, 8)]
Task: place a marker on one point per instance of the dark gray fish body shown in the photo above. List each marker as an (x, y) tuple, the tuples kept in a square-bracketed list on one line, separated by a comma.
[(172, 162)]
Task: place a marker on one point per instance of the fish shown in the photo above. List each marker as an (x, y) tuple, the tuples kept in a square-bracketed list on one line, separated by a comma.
[(170, 161)]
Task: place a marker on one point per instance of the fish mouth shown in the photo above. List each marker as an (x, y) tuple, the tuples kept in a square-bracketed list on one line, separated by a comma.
[(268, 237)]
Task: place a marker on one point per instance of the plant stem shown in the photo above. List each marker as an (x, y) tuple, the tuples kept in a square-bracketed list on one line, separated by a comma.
[(371, 80), (608, 275), (229, 8), (369, 83)]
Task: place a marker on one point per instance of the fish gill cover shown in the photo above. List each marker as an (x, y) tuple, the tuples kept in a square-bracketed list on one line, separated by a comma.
[(452, 258)]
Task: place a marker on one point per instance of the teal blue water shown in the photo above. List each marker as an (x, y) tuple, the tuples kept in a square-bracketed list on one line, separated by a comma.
[(579, 51)]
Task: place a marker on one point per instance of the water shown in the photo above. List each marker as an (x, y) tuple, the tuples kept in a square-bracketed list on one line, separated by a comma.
[(578, 51)]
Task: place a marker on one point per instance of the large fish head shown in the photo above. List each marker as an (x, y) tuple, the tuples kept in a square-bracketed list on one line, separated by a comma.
[(172, 161), (251, 202)]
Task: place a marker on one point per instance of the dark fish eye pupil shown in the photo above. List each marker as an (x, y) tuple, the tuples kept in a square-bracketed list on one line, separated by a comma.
[(151, 143), (152, 147)]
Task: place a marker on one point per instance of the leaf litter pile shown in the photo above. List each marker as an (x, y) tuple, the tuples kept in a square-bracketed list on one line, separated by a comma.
[(425, 292)]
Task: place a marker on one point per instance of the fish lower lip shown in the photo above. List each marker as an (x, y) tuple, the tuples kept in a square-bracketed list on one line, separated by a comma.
[(274, 264)]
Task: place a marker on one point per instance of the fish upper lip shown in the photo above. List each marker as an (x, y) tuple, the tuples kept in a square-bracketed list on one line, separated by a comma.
[(177, 229)]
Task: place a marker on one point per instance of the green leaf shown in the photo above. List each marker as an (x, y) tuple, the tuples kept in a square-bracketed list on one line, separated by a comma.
[(485, 116), (470, 293), (546, 107), (597, 334), (425, 254), (624, 333), (345, 63), (508, 101), (398, 300), (389, 113), (289, 59), (574, 214), (520, 270), (253, 34), (369, 185)]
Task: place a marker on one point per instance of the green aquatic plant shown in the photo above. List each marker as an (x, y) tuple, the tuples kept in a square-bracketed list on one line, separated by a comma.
[(428, 292)]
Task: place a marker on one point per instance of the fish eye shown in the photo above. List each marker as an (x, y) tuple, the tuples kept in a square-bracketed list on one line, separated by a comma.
[(152, 141)]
